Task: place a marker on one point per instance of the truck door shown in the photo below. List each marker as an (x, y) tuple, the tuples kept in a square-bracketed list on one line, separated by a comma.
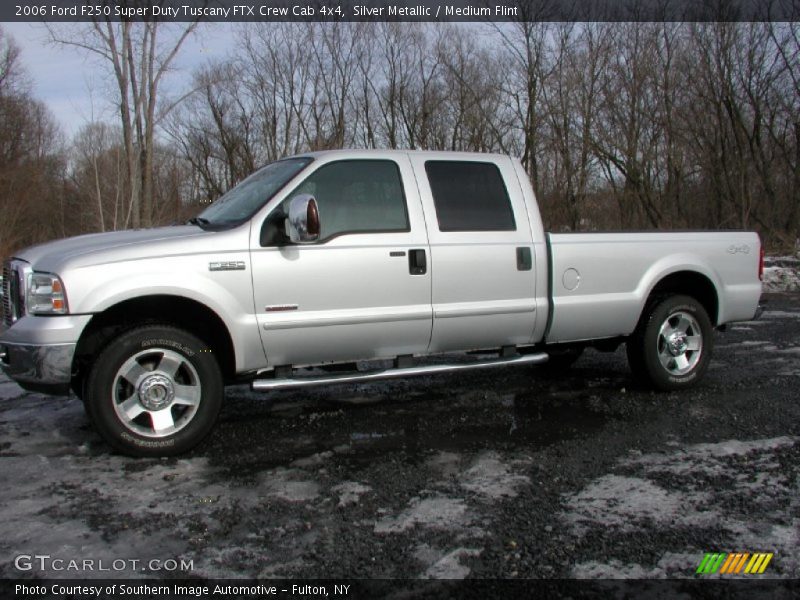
[(363, 290), (481, 252)]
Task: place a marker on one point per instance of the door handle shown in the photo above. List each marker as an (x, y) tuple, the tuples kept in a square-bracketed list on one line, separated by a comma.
[(524, 262), (417, 262)]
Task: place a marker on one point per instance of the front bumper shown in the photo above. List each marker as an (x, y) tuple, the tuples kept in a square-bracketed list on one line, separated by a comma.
[(37, 352), (45, 368)]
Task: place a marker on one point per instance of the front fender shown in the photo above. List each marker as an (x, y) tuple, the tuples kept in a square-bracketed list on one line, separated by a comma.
[(227, 293)]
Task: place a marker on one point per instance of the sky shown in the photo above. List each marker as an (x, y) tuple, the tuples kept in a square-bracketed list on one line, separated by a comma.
[(76, 87)]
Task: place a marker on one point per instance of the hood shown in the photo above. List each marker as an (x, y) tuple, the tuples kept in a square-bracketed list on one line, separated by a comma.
[(100, 248)]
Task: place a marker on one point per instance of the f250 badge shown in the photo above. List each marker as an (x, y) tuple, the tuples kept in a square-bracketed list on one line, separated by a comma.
[(231, 265), (741, 249)]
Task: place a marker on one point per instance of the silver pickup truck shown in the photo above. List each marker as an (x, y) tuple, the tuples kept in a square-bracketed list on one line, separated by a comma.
[(334, 259)]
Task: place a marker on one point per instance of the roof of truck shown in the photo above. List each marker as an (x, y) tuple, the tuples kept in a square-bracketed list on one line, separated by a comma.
[(433, 154)]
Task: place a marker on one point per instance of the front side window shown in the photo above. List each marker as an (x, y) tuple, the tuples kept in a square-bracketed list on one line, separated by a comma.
[(356, 196), (469, 196)]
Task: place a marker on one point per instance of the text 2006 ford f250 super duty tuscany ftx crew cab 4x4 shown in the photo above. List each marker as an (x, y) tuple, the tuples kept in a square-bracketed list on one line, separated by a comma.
[(344, 256)]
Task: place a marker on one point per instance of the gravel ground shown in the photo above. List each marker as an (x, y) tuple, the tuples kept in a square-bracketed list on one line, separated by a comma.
[(505, 474)]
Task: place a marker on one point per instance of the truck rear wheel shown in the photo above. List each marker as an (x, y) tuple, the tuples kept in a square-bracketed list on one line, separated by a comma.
[(154, 391), (671, 347)]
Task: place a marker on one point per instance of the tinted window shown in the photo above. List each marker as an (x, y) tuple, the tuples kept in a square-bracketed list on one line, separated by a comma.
[(469, 196), (357, 196)]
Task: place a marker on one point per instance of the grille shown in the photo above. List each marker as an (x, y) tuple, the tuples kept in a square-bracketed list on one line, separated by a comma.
[(7, 316)]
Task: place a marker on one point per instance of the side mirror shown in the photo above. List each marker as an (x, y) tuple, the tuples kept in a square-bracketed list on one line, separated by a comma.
[(303, 224)]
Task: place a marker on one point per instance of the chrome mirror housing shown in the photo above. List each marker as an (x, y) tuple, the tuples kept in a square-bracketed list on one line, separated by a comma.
[(303, 223)]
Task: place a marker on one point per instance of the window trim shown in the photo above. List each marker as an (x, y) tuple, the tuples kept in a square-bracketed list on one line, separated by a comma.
[(510, 204), (338, 234)]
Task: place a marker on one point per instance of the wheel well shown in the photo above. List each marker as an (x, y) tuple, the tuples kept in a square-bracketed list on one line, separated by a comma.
[(173, 310), (690, 283)]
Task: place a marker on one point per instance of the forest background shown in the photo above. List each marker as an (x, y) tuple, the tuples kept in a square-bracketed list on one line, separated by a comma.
[(620, 125)]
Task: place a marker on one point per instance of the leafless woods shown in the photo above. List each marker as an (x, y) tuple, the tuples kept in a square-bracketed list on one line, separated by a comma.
[(620, 125)]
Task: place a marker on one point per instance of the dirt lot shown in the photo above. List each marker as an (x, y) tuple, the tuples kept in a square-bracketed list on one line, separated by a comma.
[(491, 475)]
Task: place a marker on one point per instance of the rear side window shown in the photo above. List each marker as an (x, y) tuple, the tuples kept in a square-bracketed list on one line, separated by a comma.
[(469, 196), (357, 196)]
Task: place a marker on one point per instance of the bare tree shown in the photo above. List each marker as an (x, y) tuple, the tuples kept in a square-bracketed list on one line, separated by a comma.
[(139, 57), (11, 74), (31, 159), (524, 46), (98, 172)]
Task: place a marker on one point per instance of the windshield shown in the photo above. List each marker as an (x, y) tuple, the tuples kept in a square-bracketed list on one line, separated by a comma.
[(240, 202)]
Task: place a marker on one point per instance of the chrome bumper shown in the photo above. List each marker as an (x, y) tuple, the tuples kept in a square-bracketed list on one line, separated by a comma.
[(41, 368), (37, 352)]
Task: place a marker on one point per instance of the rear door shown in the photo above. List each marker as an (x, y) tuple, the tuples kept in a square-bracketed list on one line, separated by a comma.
[(356, 293), (481, 252)]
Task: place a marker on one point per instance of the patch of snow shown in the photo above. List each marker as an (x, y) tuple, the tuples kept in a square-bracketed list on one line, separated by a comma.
[(314, 460), (281, 483), (668, 566), (435, 513), (449, 566), (350, 492), (781, 274), (625, 502), (491, 478)]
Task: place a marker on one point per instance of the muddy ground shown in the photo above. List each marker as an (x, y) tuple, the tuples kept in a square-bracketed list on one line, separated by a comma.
[(504, 474)]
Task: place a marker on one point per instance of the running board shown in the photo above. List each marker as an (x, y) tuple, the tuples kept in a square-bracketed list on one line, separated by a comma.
[(263, 385)]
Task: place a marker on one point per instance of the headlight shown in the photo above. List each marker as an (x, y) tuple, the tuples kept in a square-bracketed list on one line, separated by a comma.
[(45, 295)]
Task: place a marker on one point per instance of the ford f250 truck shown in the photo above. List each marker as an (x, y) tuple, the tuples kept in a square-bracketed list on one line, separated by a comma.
[(333, 259)]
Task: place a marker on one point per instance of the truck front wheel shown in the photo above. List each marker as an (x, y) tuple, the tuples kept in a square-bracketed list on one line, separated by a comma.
[(671, 347), (154, 391)]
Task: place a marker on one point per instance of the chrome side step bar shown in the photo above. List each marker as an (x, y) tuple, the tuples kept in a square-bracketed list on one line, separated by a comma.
[(262, 385)]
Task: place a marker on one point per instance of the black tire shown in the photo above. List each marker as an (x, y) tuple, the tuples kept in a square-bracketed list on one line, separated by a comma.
[(154, 391), (671, 347)]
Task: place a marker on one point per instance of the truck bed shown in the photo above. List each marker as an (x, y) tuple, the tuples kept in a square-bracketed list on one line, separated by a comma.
[(599, 281)]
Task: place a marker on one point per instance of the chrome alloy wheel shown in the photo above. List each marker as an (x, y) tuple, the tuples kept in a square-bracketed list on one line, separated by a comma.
[(680, 343), (156, 392)]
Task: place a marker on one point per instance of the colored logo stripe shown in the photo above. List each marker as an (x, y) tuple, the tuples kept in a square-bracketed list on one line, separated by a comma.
[(711, 562), (758, 563), (732, 563)]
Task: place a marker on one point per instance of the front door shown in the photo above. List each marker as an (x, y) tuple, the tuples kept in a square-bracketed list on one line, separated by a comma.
[(357, 292)]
